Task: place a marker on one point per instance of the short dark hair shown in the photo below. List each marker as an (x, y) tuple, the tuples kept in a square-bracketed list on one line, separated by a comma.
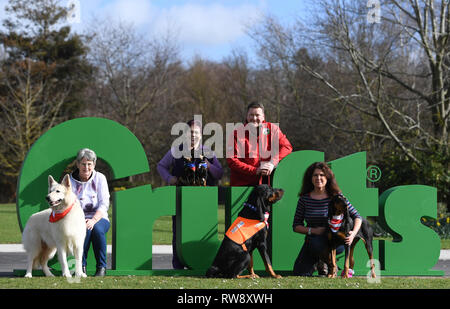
[(193, 122), (255, 104)]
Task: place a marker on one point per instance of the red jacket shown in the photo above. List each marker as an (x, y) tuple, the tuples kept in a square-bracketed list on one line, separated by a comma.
[(246, 151)]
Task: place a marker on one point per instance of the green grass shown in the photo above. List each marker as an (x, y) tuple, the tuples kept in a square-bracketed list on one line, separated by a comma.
[(9, 225), (162, 234), (160, 282)]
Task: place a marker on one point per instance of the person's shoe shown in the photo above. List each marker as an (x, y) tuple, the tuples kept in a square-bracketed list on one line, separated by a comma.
[(83, 269), (101, 272), (351, 272)]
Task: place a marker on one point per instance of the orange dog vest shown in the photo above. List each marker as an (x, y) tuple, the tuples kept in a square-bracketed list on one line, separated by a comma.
[(243, 229)]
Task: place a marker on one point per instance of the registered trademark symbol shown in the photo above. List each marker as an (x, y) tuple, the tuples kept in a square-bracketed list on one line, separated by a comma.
[(373, 173)]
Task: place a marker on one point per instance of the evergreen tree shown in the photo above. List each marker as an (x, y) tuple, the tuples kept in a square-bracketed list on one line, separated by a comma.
[(43, 72)]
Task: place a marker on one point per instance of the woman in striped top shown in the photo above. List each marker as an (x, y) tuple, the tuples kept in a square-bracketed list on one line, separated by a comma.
[(319, 185)]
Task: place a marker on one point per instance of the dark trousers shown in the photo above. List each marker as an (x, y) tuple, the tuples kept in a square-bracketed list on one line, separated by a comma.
[(314, 249), (176, 263)]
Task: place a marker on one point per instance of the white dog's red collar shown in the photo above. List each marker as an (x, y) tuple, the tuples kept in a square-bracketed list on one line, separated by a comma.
[(58, 216)]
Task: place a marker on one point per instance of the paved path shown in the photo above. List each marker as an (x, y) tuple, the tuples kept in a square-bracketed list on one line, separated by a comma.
[(14, 257)]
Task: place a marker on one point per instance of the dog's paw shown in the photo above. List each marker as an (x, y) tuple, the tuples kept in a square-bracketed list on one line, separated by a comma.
[(80, 275), (48, 273), (28, 275), (67, 274), (277, 276)]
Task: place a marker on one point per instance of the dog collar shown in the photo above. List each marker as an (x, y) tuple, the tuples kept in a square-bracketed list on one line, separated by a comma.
[(54, 217), (335, 223), (191, 166), (266, 214), (250, 206)]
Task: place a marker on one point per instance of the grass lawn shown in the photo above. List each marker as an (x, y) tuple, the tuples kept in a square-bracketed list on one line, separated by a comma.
[(161, 282), (9, 225), (162, 234)]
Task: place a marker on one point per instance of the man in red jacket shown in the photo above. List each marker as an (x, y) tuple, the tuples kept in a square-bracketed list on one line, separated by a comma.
[(255, 149)]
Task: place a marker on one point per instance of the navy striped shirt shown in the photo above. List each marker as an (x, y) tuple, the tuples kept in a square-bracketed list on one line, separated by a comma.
[(315, 212)]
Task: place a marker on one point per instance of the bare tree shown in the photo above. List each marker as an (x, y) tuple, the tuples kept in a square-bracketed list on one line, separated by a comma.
[(24, 117), (132, 71), (392, 75)]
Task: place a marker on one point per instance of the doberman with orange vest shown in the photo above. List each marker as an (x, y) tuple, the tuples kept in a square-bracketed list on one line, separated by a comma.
[(340, 224), (247, 233)]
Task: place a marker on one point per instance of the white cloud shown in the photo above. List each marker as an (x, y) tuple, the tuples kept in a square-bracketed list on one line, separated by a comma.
[(3, 4), (207, 24), (138, 12), (196, 25)]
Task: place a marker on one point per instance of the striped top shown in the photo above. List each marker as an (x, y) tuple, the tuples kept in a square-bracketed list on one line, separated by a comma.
[(315, 212)]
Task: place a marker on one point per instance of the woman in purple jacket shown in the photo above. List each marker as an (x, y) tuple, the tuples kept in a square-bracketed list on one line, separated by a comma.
[(171, 169)]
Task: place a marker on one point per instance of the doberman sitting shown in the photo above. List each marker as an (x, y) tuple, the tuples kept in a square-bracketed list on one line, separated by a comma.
[(248, 232), (340, 224)]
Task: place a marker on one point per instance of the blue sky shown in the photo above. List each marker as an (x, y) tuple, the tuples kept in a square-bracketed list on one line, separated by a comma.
[(209, 28)]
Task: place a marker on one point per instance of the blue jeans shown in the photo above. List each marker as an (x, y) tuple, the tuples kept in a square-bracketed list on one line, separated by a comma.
[(98, 238)]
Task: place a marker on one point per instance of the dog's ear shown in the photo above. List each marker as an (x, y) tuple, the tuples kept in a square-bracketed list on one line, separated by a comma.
[(66, 182), (256, 200), (264, 192), (260, 207), (346, 213), (51, 181), (330, 209)]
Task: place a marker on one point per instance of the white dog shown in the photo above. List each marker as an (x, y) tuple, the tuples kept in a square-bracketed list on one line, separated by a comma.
[(61, 227)]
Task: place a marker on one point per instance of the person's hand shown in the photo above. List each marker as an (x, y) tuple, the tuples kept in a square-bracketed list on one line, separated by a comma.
[(173, 180), (267, 168), (90, 223), (349, 238)]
